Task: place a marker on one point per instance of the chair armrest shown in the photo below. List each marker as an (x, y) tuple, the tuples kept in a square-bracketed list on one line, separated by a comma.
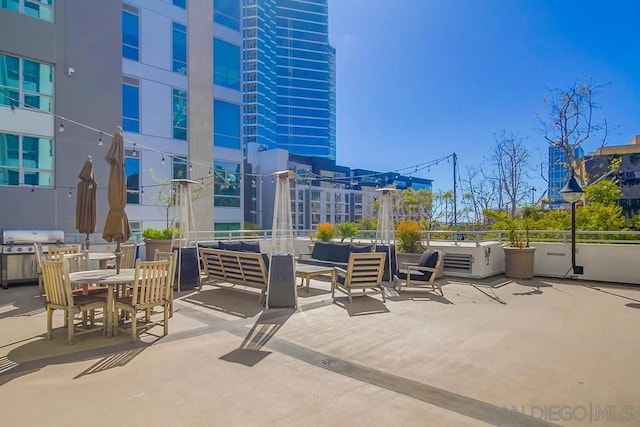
[(408, 264), (341, 270), (416, 267)]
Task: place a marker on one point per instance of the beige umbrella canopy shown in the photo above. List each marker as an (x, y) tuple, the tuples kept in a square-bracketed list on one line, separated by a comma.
[(86, 201), (116, 227)]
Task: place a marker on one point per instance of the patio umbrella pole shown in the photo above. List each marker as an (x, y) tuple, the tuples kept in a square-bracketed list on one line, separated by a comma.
[(118, 254), (86, 242)]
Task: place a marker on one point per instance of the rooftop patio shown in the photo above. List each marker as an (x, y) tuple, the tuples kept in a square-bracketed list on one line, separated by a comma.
[(559, 350)]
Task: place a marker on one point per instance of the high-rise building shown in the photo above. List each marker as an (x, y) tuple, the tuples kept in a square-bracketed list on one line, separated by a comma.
[(289, 70), (558, 173)]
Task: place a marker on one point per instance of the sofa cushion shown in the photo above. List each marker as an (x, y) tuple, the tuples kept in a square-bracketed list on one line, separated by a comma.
[(250, 246), (230, 245), (321, 251), (354, 248), (429, 258), (208, 245), (339, 252)]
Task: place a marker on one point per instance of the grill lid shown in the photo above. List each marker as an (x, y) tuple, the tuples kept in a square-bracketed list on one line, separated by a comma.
[(27, 237)]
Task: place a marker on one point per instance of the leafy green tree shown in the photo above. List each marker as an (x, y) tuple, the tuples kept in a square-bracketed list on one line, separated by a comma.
[(346, 230)]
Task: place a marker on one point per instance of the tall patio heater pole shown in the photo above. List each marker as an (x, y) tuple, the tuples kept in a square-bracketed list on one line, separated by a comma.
[(571, 193)]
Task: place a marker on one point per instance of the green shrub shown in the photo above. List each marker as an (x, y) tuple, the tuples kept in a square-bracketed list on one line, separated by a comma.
[(156, 234)]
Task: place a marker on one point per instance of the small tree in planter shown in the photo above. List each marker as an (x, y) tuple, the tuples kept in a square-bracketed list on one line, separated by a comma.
[(409, 236), (346, 230), (157, 239)]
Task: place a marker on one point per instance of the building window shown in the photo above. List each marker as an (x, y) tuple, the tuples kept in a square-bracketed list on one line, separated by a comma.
[(226, 184), (130, 33), (179, 48), (40, 9), (180, 3), (130, 105), (227, 13), (132, 172), (179, 167), (226, 124), (25, 82), (226, 64), (26, 160), (179, 106)]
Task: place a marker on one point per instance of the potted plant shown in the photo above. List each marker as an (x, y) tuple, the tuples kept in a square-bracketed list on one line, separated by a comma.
[(409, 240), (518, 255), (155, 238), (325, 231), (346, 230)]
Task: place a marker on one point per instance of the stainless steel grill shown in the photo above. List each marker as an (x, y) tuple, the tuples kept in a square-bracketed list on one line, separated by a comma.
[(17, 260)]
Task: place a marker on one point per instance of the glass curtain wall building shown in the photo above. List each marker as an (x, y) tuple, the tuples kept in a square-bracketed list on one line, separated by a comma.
[(558, 173), (289, 76)]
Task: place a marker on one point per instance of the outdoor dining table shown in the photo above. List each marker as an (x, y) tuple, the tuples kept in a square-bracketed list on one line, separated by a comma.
[(102, 258), (109, 278)]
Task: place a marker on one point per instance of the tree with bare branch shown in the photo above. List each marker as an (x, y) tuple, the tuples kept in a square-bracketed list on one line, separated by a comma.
[(569, 120), (510, 159)]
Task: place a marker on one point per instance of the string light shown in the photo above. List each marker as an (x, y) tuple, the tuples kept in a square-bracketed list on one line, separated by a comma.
[(70, 193), (13, 109), (33, 188), (61, 128), (163, 158), (190, 167), (134, 153), (100, 139)]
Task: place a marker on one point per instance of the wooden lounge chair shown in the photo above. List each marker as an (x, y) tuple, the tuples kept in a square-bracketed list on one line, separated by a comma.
[(364, 271), (422, 274), (57, 287)]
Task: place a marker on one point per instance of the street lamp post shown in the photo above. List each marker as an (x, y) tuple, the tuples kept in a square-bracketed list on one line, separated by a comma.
[(572, 192)]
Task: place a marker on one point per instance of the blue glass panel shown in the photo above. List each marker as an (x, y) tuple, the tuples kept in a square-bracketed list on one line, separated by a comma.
[(130, 36), (130, 108), (226, 124), (36, 153), (179, 48), (179, 109), (13, 5), (180, 3), (9, 97), (226, 64), (227, 13), (179, 167), (132, 172), (9, 150), (10, 75), (9, 176)]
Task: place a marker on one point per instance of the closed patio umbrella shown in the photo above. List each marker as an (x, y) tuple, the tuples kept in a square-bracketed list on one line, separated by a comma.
[(116, 227), (86, 201)]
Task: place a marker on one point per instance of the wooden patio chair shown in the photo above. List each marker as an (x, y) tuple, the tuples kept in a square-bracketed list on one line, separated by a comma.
[(364, 271), (128, 259), (173, 258), (422, 274), (55, 252), (57, 289), (150, 289), (37, 252)]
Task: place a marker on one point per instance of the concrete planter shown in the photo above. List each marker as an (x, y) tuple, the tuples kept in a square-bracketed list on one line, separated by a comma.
[(518, 262), (152, 244)]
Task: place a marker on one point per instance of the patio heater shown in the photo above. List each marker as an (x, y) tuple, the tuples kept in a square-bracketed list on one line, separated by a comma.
[(572, 192), (281, 288), (385, 232)]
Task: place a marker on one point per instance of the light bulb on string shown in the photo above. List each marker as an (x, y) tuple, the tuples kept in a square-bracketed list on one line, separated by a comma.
[(210, 174), (70, 193), (61, 128), (141, 190), (33, 187), (100, 139), (163, 158), (13, 109), (190, 168), (134, 153)]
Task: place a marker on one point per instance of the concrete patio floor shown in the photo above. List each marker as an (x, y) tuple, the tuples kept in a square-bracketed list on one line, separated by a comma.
[(490, 352)]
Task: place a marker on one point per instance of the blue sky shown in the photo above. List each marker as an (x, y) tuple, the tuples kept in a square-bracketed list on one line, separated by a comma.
[(417, 80)]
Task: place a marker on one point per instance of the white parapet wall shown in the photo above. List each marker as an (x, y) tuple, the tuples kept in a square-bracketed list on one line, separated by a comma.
[(605, 262)]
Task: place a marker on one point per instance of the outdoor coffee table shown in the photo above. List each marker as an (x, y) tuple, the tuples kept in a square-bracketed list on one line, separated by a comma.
[(307, 271)]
